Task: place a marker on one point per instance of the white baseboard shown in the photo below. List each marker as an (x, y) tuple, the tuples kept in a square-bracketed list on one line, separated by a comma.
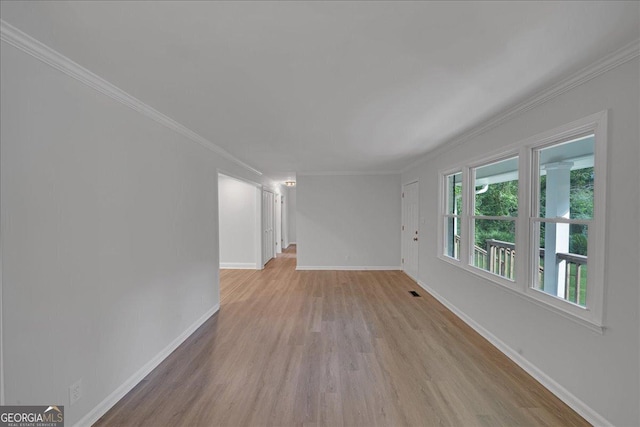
[(239, 266), (347, 268), (549, 383), (129, 384)]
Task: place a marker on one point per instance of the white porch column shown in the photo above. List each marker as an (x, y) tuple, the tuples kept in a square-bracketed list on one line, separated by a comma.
[(556, 235)]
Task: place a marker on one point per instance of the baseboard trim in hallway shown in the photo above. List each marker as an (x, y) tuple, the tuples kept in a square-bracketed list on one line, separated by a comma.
[(560, 392), (104, 406), (239, 266)]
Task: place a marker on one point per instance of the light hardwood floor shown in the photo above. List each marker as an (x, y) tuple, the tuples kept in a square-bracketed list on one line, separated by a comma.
[(335, 348)]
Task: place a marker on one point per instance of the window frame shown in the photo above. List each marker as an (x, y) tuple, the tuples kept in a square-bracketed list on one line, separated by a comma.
[(471, 216), (445, 215), (593, 312), (593, 315)]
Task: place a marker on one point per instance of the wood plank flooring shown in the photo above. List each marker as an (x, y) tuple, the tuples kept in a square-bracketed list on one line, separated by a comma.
[(335, 348)]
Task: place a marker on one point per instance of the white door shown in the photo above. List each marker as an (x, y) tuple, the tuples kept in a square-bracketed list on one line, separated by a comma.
[(278, 221), (410, 238), (268, 244), (285, 222)]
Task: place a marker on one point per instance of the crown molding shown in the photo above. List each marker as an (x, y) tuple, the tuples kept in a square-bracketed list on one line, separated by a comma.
[(20, 40), (238, 178), (607, 63), (348, 173)]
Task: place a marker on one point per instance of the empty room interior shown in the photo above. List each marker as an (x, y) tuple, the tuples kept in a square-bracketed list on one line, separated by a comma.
[(320, 213)]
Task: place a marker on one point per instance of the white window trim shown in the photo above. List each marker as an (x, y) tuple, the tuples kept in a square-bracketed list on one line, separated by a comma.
[(594, 311), (593, 316), (505, 154), (443, 214)]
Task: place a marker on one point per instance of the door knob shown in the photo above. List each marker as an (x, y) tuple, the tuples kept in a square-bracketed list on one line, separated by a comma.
[(415, 239)]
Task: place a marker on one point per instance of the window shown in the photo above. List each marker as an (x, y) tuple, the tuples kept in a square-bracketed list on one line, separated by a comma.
[(452, 215), (531, 218), (561, 217), (493, 221)]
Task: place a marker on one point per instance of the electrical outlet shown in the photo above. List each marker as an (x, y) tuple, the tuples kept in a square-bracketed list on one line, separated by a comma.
[(75, 392)]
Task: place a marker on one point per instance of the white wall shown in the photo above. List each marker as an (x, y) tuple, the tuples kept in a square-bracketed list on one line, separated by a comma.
[(292, 215), (350, 221), (602, 371), (238, 208), (109, 224)]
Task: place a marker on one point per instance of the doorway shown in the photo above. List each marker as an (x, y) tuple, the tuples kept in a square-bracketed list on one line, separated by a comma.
[(410, 228), (239, 231)]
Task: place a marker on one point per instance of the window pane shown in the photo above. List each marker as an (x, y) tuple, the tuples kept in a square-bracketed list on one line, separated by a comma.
[(454, 194), (495, 248), (566, 179), (496, 188), (452, 244), (562, 265)]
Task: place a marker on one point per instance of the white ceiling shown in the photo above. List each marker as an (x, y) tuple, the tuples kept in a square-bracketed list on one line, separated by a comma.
[(309, 86)]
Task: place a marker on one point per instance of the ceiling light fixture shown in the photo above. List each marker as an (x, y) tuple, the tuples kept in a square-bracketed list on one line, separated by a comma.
[(290, 183)]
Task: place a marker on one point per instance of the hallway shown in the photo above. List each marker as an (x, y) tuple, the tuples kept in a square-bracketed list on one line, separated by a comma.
[(335, 348)]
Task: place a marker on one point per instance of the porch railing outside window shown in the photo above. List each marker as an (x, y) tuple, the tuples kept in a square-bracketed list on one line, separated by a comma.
[(500, 258), (575, 273)]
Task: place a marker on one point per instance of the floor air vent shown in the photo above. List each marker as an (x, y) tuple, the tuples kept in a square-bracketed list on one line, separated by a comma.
[(414, 293)]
